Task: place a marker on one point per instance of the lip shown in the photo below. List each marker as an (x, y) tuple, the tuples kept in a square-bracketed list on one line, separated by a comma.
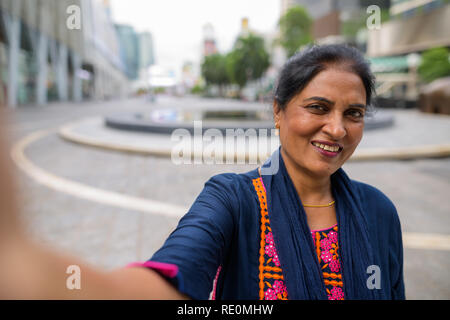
[(326, 153)]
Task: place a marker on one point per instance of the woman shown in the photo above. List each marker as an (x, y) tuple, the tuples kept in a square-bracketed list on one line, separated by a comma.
[(295, 228)]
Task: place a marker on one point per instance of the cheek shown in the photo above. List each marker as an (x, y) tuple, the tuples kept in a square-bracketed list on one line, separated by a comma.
[(303, 126), (355, 134)]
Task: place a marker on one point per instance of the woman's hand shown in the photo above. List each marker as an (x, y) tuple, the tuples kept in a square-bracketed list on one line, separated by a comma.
[(32, 271)]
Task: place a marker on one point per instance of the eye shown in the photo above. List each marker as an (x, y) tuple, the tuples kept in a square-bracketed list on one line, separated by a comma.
[(355, 113), (317, 108)]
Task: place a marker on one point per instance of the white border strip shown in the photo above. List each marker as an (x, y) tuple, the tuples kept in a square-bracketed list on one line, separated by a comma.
[(83, 191)]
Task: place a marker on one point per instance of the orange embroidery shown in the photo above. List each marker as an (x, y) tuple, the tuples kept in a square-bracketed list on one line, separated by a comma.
[(327, 255), (271, 280), (332, 275), (266, 271), (333, 283), (318, 245)]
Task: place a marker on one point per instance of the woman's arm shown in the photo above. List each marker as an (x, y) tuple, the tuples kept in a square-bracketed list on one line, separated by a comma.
[(32, 271)]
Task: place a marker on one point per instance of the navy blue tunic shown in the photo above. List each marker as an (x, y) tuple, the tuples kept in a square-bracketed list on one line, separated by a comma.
[(222, 229)]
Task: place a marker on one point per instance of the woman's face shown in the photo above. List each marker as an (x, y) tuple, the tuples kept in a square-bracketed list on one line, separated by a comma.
[(323, 124)]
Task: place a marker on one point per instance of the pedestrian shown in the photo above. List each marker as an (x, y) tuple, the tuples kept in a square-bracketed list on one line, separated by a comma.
[(295, 228)]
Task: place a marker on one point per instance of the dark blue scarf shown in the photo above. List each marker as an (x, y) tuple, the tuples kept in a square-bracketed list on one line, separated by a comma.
[(293, 240)]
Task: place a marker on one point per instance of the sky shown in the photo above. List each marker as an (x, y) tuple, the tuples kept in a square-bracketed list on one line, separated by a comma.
[(177, 25)]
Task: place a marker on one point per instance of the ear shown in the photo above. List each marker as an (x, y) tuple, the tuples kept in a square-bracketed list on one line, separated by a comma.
[(276, 112)]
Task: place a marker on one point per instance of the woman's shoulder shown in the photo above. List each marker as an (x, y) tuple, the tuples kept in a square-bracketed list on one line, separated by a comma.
[(369, 192), (233, 180), (229, 185), (375, 202)]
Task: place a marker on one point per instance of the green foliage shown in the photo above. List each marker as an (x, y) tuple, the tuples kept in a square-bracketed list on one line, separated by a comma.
[(248, 60), (198, 89), (295, 29), (435, 64), (214, 70)]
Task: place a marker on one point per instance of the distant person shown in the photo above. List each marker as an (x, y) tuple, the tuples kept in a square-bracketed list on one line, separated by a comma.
[(295, 228)]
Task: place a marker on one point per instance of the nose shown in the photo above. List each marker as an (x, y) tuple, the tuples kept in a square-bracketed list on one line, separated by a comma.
[(335, 127)]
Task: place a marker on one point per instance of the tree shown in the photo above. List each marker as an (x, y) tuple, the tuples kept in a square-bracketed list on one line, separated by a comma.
[(214, 71), (435, 64), (295, 29), (248, 60)]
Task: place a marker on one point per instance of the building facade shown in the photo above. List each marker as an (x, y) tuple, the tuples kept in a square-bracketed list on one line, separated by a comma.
[(58, 50), (415, 26)]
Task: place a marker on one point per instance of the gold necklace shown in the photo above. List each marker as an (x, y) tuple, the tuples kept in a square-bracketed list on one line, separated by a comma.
[(319, 205)]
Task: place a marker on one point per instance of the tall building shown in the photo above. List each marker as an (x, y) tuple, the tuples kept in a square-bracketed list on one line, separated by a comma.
[(209, 41), (58, 50), (129, 49), (146, 54), (414, 26), (320, 8), (327, 15), (145, 60)]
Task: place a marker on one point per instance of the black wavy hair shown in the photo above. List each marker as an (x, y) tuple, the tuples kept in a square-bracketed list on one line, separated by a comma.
[(301, 68)]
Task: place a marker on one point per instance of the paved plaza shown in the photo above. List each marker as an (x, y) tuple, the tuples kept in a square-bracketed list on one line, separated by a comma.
[(92, 202)]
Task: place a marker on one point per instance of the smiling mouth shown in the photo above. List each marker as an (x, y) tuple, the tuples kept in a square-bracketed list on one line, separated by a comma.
[(332, 148)]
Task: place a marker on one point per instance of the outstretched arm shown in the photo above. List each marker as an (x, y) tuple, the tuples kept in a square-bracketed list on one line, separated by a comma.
[(31, 271)]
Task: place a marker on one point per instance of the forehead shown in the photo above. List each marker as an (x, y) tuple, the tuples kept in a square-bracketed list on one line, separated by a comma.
[(336, 85)]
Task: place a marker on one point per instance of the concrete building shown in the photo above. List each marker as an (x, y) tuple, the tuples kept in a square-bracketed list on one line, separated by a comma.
[(327, 15), (58, 50), (146, 52), (395, 47), (145, 60), (415, 26), (136, 52), (129, 49), (209, 41)]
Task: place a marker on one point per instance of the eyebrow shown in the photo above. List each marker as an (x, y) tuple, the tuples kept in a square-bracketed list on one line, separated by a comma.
[(357, 105), (319, 99)]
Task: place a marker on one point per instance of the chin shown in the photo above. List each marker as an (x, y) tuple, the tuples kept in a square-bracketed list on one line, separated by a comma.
[(323, 169)]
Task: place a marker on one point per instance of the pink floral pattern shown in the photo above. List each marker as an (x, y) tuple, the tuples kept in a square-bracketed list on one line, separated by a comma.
[(279, 287), (336, 294), (276, 289), (326, 256), (270, 294), (270, 249), (269, 238), (332, 236), (325, 244), (334, 265), (327, 250)]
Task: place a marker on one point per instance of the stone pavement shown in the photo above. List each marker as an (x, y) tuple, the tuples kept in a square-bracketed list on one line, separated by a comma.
[(109, 236)]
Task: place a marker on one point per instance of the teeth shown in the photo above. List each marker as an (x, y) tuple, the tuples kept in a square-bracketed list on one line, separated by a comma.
[(326, 147)]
